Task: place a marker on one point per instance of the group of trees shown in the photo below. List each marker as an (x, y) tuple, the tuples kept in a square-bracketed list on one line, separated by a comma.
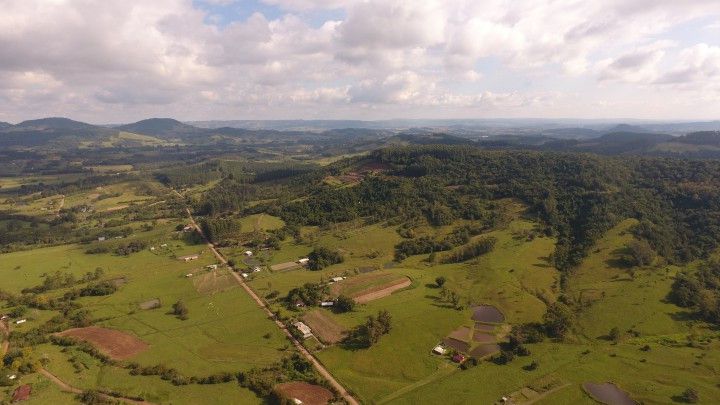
[(309, 294), (129, 248), (470, 251), (699, 291), (370, 332), (219, 229), (180, 310), (322, 257)]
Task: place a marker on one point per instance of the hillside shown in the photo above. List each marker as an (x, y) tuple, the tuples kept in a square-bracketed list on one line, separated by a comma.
[(161, 127)]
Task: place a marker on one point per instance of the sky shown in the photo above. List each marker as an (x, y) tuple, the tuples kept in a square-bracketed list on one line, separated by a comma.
[(115, 61)]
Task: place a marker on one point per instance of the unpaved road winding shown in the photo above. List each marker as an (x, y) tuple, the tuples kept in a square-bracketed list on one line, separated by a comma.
[(318, 366)]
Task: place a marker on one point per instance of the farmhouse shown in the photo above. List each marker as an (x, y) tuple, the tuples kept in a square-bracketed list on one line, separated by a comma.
[(101, 238), (248, 253), (164, 245), (211, 266), (245, 275), (304, 261), (188, 275), (19, 321), (256, 269), (299, 304), (458, 358), (337, 279), (304, 329), (327, 303), (189, 258), (439, 350)]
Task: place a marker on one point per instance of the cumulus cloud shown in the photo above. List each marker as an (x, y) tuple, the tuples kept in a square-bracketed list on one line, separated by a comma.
[(125, 59)]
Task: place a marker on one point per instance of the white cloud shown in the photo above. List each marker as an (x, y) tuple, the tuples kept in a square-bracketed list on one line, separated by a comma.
[(89, 58)]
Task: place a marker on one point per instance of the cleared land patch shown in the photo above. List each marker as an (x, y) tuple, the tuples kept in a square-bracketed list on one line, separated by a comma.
[(463, 334), (212, 282), (371, 286), (116, 344), (307, 393), (488, 314), (608, 393), (324, 326)]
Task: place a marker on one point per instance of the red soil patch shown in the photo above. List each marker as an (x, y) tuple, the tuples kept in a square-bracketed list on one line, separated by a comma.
[(116, 344), (21, 393), (382, 291), (309, 394)]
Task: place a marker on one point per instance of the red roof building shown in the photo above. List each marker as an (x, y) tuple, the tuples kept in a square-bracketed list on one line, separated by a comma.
[(458, 358)]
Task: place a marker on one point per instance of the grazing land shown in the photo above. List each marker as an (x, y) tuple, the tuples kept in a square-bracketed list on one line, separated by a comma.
[(431, 272)]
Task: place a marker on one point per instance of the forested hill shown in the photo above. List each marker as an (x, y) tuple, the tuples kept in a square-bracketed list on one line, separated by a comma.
[(577, 196)]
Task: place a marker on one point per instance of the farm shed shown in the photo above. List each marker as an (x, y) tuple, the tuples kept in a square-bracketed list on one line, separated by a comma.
[(248, 253), (189, 258), (439, 350), (458, 358), (337, 279), (304, 261), (304, 329), (327, 303)]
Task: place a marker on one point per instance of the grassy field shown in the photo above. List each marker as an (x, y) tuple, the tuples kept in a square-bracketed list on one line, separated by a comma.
[(225, 330)]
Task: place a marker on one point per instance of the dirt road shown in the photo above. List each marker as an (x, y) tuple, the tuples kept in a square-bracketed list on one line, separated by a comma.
[(318, 366), (5, 332)]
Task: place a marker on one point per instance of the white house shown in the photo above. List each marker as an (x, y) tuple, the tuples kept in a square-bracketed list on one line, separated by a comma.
[(327, 303), (19, 321), (304, 329), (337, 279), (164, 245), (212, 266), (304, 261), (101, 238), (189, 258), (245, 275), (256, 269), (248, 253), (188, 275), (439, 350)]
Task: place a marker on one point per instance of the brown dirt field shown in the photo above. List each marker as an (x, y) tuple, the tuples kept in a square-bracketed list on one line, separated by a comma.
[(116, 344), (382, 291), (212, 282), (329, 331), (457, 345), (284, 266), (150, 304), (481, 327), (487, 314), (117, 208), (351, 282), (483, 337), (462, 334), (309, 394)]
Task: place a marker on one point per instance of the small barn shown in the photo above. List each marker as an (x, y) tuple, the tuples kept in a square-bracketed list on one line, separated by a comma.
[(304, 329)]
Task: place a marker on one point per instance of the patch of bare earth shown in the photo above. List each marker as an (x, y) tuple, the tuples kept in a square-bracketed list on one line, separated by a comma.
[(212, 282), (309, 394), (324, 327), (382, 291), (116, 344)]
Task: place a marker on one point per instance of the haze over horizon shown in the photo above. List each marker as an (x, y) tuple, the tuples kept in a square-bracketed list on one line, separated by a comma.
[(122, 61)]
